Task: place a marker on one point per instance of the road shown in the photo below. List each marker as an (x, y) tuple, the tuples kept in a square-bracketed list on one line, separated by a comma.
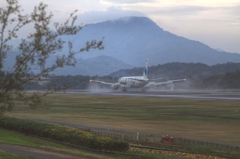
[(195, 95), (33, 152)]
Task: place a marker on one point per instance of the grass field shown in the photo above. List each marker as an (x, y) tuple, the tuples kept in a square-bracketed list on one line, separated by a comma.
[(198, 119)]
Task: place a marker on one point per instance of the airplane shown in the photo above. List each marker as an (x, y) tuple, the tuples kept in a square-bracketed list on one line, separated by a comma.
[(37, 78), (40, 80), (137, 81)]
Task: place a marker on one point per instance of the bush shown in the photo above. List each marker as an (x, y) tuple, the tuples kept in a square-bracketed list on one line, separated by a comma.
[(63, 133)]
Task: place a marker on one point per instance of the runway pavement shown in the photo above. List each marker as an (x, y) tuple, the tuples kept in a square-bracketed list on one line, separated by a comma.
[(190, 94), (34, 152)]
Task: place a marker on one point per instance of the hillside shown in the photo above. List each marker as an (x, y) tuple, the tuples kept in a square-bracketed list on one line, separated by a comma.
[(230, 80), (101, 65), (180, 70)]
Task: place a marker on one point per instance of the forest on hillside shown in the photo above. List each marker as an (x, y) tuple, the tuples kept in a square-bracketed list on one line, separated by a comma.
[(180, 70), (230, 80)]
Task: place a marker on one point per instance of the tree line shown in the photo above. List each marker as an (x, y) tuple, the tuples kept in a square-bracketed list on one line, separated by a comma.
[(230, 80), (199, 76)]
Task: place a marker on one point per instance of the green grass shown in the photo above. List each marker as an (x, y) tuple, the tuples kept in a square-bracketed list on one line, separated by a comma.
[(199, 119)]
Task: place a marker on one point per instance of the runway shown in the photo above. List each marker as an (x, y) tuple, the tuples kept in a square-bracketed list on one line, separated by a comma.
[(194, 95)]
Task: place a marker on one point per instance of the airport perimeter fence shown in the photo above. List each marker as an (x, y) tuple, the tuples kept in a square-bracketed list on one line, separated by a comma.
[(134, 135)]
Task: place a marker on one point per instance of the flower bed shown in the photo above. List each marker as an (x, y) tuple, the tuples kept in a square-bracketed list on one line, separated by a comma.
[(176, 154)]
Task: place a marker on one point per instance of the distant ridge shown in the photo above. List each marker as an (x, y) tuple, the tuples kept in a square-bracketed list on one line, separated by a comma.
[(101, 65)]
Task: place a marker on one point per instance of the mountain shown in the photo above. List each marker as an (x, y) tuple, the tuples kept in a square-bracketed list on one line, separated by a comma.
[(133, 39), (219, 50), (101, 65), (129, 41)]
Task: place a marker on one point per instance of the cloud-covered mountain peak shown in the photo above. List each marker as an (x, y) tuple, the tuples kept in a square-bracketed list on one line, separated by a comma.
[(132, 23), (132, 19)]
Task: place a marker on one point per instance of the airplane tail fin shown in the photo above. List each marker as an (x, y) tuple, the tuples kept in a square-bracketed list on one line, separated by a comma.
[(145, 70)]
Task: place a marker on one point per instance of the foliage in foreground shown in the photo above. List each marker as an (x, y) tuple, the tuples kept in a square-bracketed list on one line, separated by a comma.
[(62, 133), (39, 49)]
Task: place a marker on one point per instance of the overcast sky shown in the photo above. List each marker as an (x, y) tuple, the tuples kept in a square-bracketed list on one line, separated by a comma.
[(213, 22)]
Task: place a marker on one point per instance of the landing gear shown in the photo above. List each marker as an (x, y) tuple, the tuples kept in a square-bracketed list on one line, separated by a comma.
[(124, 89), (144, 89)]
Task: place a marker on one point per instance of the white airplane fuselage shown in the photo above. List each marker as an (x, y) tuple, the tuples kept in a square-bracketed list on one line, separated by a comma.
[(40, 80), (133, 82)]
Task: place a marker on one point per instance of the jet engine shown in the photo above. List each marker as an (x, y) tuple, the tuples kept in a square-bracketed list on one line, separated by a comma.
[(40, 83), (115, 86)]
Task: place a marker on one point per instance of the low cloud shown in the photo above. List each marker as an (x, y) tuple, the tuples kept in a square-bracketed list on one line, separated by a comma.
[(234, 10), (192, 10), (127, 1), (183, 10), (109, 14)]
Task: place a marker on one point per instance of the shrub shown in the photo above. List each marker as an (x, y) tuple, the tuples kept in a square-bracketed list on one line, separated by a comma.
[(63, 133)]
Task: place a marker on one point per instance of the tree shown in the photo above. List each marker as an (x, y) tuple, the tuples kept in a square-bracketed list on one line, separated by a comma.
[(39, 45)]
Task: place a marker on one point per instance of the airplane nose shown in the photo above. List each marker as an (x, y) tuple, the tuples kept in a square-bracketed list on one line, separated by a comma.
[(119, 80)]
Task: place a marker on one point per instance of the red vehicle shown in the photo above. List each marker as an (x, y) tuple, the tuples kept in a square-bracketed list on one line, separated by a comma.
[(168, 140)]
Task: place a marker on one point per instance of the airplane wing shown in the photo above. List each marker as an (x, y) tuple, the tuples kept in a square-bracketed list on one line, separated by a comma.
[(113, 85), (102, 82), (165, 82), (157, 79)]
